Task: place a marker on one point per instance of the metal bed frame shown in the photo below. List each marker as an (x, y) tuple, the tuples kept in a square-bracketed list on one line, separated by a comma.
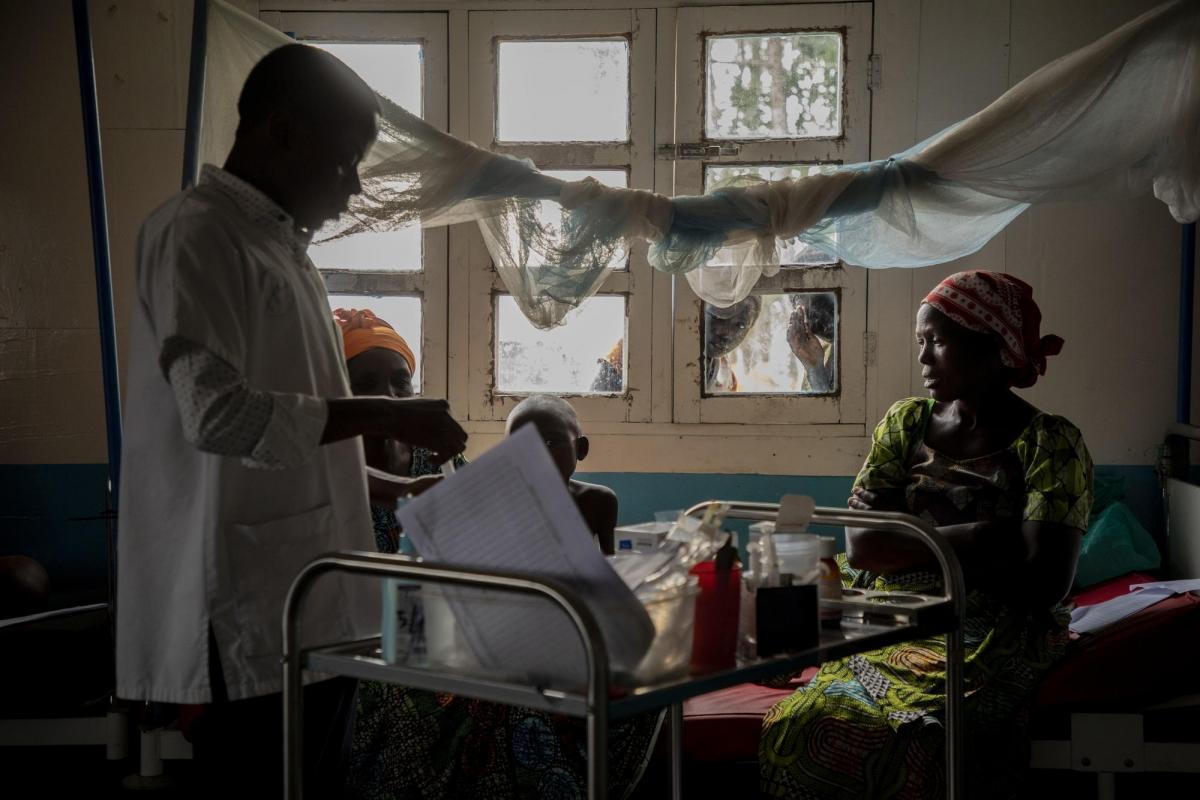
[(881, 625)]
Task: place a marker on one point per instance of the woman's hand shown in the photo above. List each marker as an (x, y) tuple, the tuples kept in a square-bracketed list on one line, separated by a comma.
[(877, 500)]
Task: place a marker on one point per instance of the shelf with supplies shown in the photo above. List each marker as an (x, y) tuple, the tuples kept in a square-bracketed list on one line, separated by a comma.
[(870, 620)]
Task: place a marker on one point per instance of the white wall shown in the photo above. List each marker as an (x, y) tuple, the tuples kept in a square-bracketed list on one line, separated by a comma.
[(1105, 274)]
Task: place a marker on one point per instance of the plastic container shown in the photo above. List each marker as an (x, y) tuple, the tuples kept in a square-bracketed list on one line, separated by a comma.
[(715, 640), (672, 611), (445, 645), (798, 554)]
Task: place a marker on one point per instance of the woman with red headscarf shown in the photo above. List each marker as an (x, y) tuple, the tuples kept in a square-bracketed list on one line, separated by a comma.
[(1009, 486)]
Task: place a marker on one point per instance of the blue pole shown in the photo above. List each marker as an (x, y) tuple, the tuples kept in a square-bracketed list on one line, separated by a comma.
[(1187, 288), (104, 296), (195, 105)]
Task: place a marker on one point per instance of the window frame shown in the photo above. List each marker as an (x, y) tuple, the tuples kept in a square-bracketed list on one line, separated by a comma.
[(486, 29), (854, 22), (430, 30)]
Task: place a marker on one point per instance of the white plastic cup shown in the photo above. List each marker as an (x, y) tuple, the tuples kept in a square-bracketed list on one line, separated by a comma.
[(798, 554)]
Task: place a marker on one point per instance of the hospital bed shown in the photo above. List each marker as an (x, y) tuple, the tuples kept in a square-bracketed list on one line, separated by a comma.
[(1123, 700), (599, 701)]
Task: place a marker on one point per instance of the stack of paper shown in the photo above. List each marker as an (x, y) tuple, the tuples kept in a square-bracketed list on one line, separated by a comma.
[(510, 511), (1090, 619)]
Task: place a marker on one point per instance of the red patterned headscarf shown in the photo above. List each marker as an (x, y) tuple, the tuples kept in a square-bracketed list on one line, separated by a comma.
[(994, 302)]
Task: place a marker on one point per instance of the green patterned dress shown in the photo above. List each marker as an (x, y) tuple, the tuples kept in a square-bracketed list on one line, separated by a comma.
[(870, 726)]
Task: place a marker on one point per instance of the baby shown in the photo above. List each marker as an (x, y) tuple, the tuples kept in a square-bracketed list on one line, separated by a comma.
[(558, 426)]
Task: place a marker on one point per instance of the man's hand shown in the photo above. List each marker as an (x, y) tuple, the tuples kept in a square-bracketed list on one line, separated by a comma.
[(426, 423), (417, 422)]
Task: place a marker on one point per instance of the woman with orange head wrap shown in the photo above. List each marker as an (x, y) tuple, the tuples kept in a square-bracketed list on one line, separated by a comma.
[(413, 743), (381, 363)]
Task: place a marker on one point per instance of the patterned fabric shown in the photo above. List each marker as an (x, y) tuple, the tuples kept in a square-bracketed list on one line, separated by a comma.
[(362, 330), (871, 725), (410, 743), (258, 208), (221, 414), (995, 302), (430, 746)]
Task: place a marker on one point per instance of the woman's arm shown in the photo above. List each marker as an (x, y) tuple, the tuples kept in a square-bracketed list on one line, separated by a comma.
[(1030, 564)]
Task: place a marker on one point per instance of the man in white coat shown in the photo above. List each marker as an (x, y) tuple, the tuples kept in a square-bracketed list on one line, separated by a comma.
[(243, 457)]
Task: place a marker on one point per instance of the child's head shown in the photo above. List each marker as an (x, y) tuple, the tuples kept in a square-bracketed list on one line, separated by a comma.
[(558, 426)]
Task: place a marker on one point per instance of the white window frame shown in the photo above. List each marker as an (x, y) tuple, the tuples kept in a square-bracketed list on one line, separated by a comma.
[(853, 21), (635, 155), (430, 282)]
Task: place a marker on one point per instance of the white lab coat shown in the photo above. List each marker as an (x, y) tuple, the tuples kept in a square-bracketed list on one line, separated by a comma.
[(204, 539)]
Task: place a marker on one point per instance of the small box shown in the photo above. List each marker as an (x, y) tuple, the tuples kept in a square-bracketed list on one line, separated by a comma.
[(643, 536), (786, 619)]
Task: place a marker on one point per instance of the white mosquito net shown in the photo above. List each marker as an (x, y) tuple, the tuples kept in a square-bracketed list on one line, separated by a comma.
[(1119, 117)]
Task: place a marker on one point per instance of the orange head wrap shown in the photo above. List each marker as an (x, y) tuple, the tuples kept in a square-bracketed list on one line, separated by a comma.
[(362, 330)]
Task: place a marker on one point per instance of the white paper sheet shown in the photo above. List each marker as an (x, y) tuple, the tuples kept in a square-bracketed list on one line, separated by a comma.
[(1090, 619), (509, 511)]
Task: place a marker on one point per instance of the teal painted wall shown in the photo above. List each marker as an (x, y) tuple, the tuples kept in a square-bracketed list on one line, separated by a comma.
[(43, 507)]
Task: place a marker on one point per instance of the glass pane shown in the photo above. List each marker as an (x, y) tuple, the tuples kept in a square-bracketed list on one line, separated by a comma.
[(564, 90), (551, 214), (772, 344), (401, 311), (774, 86), (394, 71), (792, 252), (584, 355)]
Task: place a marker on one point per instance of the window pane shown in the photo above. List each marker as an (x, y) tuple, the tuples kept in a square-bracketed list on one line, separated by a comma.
[(402, 312), (584, 355), (774, 86), (773, 344), (565, 90), (792, 252), (551, 213), (394, 71)]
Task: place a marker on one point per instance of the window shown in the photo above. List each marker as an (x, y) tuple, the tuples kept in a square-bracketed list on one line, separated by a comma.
[(559, 88), (400, 275), (773, 85), (780, 90), (772, 343)]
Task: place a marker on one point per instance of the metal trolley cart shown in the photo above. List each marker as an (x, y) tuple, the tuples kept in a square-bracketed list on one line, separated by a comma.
[(867, 624)]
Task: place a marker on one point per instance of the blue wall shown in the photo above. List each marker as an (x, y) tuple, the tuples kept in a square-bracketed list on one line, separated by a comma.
[(44, 511), (40, 507)]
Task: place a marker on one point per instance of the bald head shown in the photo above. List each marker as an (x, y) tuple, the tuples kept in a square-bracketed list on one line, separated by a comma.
[(306, 121), (557, 424), (543, 408), (308, 82)]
